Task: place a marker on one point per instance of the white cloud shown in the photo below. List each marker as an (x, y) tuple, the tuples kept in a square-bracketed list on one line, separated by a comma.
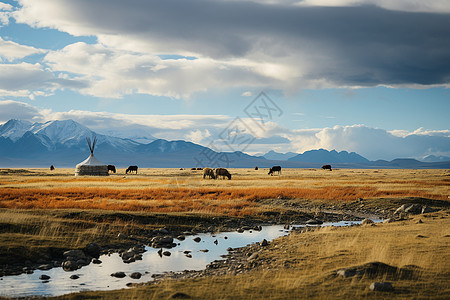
[(26, 80), (5, 12), (198, 136), (245, 44), (11, 51), (115, 73), (247, 94), (436, 6), (373, 143), (10, 109)]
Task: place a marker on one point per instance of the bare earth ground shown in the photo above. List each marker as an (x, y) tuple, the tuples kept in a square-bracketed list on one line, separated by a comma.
[(43, 213)]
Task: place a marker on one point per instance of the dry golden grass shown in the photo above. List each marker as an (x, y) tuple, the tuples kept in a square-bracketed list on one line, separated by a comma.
[(301, 266), (173, 190)]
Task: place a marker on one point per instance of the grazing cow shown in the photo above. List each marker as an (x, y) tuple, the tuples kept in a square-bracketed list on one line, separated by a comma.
[(208, 172), (112, 168), (326, 167), (256, 168), (131, 169), (274, 169), (52, 168), (222, 172)]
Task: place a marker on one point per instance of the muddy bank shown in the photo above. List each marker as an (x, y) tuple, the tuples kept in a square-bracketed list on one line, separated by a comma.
[(121, 231)]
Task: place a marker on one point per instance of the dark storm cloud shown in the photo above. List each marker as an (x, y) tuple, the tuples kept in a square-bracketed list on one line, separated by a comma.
[(360, 46)]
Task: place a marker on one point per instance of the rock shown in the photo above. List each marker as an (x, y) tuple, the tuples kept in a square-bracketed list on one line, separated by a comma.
[(314, 222), (420, 221), (44, 277), (181, 238), (253, 257), (74, 277), (388, 220), (96, 261), (427, 209), (264, 242), (188, 256), (74, 255), (240, 230), (367, 222), (346, 272), (230, 249), (204, 250), (121, 236), (163, 231), (118, 274), (92, 249), (70, 265), (179, 295), (163, 240), (166, 253), (197, 239), (136, 275), (414, 209), (381, 286), (45, 267), (400, 209)]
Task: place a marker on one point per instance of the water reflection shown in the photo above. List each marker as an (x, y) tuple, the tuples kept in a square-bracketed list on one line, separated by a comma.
[(97, 277)]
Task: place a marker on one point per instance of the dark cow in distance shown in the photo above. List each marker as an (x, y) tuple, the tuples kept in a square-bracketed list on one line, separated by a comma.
[(326, 167), (256, 168), (131, 169), (112, 168), (274, 169), (208, 172), (222, 172), (52, 168)]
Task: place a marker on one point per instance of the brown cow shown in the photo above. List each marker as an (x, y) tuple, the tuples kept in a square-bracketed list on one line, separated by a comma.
[(208, 172), (222, 172)]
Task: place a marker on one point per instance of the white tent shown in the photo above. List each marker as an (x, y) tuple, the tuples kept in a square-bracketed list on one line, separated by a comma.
[(91, 165)]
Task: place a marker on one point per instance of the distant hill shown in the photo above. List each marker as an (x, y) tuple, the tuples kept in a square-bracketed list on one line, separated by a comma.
[(63, 144), (272, 155), (329, 157)]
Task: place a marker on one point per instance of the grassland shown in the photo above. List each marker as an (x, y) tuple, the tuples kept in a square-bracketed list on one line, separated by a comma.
[(44, 212), (304, 265)]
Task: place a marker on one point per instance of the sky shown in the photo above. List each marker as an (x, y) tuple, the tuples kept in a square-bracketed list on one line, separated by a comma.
[(369, 76)]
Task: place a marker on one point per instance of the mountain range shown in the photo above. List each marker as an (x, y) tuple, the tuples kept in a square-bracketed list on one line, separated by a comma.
[(63, 144)]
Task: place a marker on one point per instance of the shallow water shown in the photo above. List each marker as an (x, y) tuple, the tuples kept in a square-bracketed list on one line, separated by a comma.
[(97, 277)]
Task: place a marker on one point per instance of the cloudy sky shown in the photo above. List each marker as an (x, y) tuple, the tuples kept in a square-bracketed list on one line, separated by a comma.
[(370, 76)]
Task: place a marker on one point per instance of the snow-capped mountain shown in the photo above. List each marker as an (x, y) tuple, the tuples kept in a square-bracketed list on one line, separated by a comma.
[(60, 134), (15, 129), (63, 144)]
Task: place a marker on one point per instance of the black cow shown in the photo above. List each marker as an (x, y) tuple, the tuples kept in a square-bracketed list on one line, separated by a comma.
[(326, 167), (112, 168), (131, 169), (274, 169), (52, 168)]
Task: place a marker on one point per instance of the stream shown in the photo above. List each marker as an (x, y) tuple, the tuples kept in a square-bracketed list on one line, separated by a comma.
[(96, 277)]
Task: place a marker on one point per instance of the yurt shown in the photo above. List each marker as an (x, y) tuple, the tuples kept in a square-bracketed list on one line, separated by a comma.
[(91, 166)]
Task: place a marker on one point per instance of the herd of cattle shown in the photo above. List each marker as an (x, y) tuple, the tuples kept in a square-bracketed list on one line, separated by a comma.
[(207, 172)]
